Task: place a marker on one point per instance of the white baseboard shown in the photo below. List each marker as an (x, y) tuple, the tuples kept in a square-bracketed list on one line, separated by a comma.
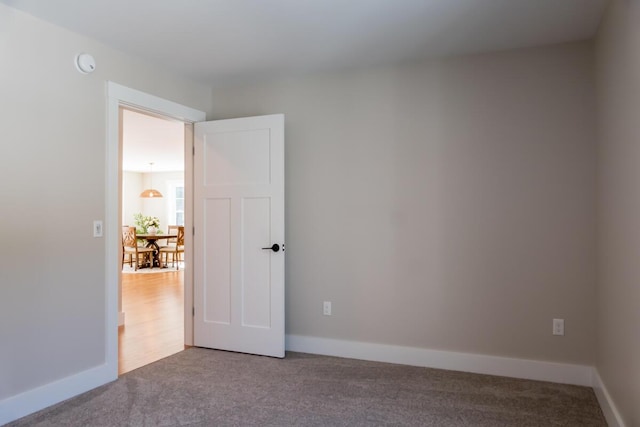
[(606, 403), (120, 318), (41, 397), (466, 362)]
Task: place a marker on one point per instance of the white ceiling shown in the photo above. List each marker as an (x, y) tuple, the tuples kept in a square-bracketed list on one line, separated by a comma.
[(227, 41), (222, 42), (149, 139)]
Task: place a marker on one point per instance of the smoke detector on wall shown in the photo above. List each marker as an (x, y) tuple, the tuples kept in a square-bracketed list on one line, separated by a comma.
[(85, 63)]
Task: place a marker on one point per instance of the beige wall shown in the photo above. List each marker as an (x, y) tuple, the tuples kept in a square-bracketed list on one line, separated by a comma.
[(618, 292), (443, 205), (52, 135)]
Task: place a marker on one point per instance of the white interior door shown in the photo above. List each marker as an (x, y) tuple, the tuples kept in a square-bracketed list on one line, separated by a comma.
[(238, 211)]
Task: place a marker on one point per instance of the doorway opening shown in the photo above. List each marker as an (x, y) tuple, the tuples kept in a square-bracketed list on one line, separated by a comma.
[(122, 96), (152, 283)]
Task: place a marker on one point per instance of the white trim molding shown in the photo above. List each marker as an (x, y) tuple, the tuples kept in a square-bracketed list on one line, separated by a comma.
[(134, 98), (609, 409), (49, 394), (467, 362)]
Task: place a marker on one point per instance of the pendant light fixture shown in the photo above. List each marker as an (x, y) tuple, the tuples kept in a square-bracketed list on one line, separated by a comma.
[(151, 192)]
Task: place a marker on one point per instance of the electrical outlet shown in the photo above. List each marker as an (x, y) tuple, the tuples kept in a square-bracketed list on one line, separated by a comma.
[(558, 326), (97, 228), (326, 308)]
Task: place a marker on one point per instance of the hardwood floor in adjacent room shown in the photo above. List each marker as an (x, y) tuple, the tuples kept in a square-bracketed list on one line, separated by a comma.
[(153, 304)]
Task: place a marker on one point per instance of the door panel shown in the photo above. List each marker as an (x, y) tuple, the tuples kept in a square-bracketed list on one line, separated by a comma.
[(217, 265), (256, 283), (239, 157), (238, 210)]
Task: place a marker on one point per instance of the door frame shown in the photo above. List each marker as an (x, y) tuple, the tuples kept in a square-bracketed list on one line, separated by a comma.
[(122, 96)]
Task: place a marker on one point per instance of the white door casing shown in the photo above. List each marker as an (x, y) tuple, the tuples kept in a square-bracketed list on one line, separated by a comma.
[(238, 211), (122, 96)]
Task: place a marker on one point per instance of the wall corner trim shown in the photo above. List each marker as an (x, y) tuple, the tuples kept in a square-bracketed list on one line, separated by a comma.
[(33, 400), (456, 361), (609, 409)]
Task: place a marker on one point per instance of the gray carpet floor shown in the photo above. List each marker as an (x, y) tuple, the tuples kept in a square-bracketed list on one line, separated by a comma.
[(199, 387)]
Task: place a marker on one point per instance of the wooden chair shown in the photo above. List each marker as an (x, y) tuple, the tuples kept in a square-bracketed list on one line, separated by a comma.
[(173, 248), (172, 241), (131, 249)]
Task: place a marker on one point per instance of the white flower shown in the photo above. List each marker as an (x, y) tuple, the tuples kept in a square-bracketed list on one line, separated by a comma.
[(144, 222)]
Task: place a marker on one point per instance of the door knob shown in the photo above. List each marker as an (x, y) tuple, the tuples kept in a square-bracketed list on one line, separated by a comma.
[(275, 247)]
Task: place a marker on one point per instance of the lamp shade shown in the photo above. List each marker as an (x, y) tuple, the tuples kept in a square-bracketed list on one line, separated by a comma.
[(149, 193)]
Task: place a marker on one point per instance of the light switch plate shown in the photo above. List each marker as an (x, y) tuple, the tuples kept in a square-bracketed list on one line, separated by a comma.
[(97, 228)]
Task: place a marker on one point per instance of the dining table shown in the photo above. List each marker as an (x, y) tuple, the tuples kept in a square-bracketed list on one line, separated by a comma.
[(152, 242)]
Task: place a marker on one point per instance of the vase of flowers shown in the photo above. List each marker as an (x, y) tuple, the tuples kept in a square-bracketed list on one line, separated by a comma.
[(147, 224)]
